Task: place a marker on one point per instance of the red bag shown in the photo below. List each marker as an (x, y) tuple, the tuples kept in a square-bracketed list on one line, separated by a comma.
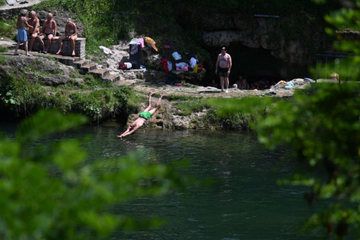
[(122, 66)]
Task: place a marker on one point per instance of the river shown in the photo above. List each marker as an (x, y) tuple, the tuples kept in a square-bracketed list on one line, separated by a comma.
[(247, 204)]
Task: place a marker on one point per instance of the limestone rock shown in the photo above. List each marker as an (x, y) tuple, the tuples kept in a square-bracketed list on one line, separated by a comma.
[(37, 68)]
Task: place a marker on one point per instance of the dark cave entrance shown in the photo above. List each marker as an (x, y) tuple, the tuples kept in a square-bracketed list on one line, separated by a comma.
[(252, 63)]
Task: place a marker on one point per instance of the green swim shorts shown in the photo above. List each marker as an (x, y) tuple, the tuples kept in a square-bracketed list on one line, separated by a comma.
[(145, 115)]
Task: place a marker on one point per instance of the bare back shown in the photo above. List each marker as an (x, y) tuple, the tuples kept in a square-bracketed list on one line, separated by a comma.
[(22, 22)]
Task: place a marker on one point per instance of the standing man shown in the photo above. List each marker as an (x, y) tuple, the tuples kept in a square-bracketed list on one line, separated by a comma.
[(22, 35), (48, 30), (224, 64), (71, 34), (35, 30)]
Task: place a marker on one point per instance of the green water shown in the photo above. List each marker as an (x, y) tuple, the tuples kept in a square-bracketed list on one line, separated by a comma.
[(247, 204)]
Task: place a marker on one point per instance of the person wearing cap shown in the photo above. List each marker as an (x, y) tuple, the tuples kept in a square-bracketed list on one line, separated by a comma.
[(223, 66), (21, 23), (71, 34)]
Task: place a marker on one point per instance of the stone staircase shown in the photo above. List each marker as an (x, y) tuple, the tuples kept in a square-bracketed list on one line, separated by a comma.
[(87, 67)]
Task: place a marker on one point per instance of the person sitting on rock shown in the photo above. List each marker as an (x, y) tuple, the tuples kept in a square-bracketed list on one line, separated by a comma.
[(242, 83), (34, 31), (48, 30), (143, 117), (70, 33)]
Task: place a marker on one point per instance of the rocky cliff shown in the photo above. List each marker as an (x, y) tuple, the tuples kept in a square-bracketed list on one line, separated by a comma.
[(280, 46)]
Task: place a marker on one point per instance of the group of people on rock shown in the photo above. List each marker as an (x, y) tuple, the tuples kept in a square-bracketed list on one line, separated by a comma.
[(48, 31)]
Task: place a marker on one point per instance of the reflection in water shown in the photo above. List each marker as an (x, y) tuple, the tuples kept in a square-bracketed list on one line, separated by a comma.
[(246, 203)]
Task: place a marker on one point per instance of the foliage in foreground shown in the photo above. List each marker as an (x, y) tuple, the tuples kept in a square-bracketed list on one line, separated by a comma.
[(48, 192), (322, 126)]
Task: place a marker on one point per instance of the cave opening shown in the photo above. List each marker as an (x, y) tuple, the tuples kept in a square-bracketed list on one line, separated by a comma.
[(254, 64)]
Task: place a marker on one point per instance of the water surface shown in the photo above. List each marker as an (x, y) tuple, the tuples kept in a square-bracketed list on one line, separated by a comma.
[(247, 204)]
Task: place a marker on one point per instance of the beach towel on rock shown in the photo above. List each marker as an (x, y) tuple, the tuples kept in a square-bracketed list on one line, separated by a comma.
[(138, 41), (169, 65), (164, 62), (176, 56), (193, 62), (289, 85), (182, 67), (151, 42), (106, 50)]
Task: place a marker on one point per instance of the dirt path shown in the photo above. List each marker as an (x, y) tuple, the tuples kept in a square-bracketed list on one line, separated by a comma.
[(200, 91)]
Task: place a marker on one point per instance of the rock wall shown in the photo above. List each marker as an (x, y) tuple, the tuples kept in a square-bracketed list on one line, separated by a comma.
[(292, 39)]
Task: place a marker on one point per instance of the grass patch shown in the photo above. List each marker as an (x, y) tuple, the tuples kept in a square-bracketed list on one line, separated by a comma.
[(233, 121), (188, 107), (181, 98), (18, 95), (3, 59), (7, 28), (49, 58), (3, 49)]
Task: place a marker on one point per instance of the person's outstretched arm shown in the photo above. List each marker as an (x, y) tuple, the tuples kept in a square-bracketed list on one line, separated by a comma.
[(129, 131)]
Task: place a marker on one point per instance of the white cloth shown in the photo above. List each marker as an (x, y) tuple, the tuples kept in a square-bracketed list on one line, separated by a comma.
[(143, 68), (192, 62), (181, 64), (128, 65), (106, 50), (176, 55)]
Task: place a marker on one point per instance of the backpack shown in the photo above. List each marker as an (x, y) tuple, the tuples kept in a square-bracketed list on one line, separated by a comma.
[(122, 66)]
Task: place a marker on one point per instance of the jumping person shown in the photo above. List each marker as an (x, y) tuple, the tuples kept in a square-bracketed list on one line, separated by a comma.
[(145, 115), (224, 63)]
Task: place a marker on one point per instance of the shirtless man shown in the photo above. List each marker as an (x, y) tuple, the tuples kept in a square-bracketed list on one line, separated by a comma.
[(70, 33), (145, 115), (35, 30), (48, 30), (22, 35), (224, 63)]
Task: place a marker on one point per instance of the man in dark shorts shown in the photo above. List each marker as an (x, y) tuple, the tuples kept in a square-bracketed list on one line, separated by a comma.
[(223, 66), (48, 30), (145, 115)]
